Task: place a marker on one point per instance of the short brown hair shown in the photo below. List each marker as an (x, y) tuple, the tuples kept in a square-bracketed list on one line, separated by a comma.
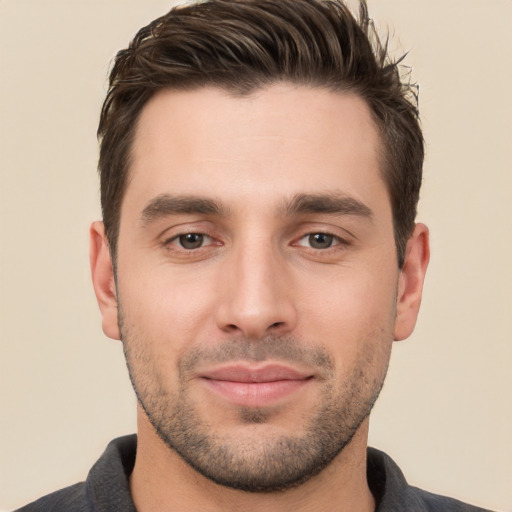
[(243, 45)]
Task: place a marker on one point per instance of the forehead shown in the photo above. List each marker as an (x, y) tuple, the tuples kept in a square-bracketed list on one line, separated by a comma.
[(281, 140)]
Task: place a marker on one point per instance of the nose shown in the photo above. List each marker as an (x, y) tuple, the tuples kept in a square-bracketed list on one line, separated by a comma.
[(256, 293)]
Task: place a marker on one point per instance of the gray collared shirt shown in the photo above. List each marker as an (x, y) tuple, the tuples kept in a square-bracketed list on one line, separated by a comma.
[(107, 489)]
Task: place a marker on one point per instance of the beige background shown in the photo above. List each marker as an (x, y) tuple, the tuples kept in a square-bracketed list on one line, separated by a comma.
[(445, 414)]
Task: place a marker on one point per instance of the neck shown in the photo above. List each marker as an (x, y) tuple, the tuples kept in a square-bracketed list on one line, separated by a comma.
[(162, 481)]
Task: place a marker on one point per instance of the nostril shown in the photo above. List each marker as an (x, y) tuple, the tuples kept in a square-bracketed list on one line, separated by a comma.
[(276, 324)]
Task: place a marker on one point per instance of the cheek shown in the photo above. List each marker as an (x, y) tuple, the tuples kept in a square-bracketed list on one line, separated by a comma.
[(356, 310), (167, 307)]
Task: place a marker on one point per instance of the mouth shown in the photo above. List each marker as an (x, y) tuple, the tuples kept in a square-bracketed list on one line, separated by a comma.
[(251, 386)]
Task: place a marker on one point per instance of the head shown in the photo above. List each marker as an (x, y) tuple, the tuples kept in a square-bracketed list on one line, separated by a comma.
[(243, 46), (260, 168)]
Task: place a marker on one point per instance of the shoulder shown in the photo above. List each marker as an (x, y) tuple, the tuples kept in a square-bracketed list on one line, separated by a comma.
[(394, 494), (69, 499), (437, 503), (105, 489)]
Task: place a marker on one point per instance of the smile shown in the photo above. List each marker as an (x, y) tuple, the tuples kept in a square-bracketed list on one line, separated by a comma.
[(255, 387)]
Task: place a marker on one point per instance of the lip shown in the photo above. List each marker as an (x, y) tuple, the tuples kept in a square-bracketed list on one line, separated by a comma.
[(255, 386)]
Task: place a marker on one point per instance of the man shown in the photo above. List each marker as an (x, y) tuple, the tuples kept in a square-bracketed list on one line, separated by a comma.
[(260, 169)]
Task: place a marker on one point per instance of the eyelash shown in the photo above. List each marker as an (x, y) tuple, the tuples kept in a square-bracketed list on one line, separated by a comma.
[(175, 240), (336, 240), (177, 237)]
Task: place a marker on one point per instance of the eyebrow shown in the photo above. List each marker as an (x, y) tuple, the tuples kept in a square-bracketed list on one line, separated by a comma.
[(326, 203), (166, 204)]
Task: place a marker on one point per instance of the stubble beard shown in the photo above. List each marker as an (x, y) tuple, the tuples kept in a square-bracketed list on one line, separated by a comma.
[(257, 463)]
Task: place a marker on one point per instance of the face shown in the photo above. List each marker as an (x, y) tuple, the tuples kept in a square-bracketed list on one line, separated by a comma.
[(257, 279)]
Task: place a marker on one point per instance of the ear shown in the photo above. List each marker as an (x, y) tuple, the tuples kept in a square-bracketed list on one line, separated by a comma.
[(410, 282), (103, 280)]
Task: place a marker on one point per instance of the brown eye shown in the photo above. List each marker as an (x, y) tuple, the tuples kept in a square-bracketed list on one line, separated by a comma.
[(320, 240), (191, 240)]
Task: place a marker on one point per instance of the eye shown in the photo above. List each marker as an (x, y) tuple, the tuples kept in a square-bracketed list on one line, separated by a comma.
[(190, 241), (319, 241)]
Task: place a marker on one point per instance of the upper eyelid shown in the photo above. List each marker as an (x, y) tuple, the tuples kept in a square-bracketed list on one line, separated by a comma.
[(184, 229), (346, 236), (340, 240), (173, 245), (170, 239), (303, 231)]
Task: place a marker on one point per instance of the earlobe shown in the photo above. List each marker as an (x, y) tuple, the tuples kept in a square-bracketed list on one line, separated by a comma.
[(410, 284), (103, 280)]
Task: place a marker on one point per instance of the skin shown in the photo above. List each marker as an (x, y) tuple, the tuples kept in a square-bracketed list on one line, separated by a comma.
[(256, 280)]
